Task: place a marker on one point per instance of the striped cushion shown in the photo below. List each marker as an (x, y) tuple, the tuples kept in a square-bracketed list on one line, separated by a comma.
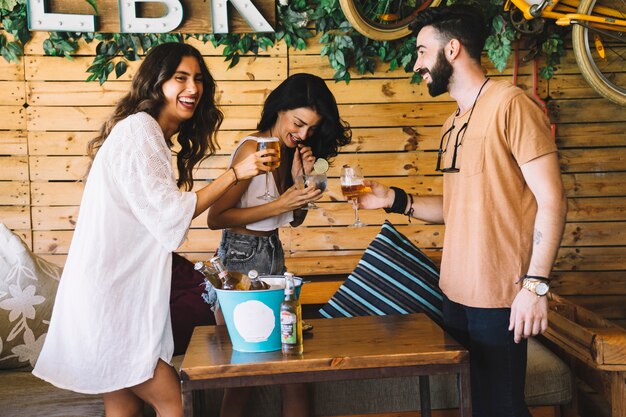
[(392, 277)]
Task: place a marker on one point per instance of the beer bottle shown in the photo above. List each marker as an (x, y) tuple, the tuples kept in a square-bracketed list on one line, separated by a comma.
[(229, 281), (209, 274), (291, 319), (255, 282)]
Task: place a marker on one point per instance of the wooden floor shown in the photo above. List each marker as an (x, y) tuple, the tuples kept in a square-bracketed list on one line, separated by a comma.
[(535, 411)]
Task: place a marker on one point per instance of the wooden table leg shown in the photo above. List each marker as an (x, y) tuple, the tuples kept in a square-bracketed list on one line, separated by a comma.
[(425, 395), (618, 394), (187, 403), (465, 392)]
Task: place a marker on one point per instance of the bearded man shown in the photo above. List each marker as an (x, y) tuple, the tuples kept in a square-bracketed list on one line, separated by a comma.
[(503, 206)]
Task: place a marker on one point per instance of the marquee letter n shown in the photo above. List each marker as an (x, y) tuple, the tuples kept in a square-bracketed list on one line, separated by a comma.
[(254, 18)]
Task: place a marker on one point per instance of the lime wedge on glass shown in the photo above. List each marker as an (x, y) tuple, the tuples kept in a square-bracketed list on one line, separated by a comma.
[(320, 166)]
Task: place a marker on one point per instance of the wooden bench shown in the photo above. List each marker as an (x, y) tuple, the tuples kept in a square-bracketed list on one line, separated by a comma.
[(597, 349)]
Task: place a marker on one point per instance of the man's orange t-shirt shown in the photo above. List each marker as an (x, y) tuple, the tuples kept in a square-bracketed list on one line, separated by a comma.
[(489, 211)]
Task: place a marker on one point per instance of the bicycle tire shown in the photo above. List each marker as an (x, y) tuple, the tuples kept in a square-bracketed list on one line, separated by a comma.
[(605, 82), (365, 26)]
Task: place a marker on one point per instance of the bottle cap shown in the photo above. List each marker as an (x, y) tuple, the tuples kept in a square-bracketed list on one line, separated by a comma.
[(198, 265), (253, 274), (215, 259), (289, 284)]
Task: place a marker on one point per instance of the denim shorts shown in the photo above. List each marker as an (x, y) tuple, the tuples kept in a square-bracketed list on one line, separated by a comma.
[(245, 252)]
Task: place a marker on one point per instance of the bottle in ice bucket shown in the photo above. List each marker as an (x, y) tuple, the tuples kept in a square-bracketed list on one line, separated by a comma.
[(291, 319), (255, 282), (209, 273), (229, 281)]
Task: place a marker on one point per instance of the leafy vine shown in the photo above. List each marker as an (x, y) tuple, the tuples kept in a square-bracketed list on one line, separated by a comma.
[(343, 46)]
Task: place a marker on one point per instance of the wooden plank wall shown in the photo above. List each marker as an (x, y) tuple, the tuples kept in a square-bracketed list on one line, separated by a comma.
[(48, 113)]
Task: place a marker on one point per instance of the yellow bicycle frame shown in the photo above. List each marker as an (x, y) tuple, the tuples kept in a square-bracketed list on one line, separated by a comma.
[(561, 11)]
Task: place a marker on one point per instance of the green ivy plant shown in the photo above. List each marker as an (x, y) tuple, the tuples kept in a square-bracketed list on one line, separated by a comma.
[(343, 46), (13, 17)]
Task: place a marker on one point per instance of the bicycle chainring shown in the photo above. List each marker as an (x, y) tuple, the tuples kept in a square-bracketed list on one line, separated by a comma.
[(522, 25)]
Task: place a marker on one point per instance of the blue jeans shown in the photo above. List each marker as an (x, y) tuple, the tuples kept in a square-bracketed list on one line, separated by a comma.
[(245, 252), (497, 363)]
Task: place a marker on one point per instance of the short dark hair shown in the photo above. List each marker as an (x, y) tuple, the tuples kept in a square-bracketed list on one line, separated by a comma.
[(309, 91), (459, 21)]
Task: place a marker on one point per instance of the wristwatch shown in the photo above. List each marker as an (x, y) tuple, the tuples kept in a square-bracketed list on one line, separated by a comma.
[(536, 286)]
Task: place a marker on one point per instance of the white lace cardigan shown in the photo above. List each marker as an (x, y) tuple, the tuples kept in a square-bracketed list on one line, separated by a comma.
[(111, 321)]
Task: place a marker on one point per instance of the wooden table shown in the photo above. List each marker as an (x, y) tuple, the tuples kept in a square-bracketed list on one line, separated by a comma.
[(336, 349)]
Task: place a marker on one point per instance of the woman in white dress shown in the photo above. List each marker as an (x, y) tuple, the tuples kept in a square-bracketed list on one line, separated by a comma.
[(110, 330)]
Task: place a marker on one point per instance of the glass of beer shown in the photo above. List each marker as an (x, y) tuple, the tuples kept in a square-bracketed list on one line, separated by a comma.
[(261, 145), (351, 186)]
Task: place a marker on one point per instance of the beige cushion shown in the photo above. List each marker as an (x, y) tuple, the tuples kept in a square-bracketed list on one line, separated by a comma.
[(28, 285), (548, 382), (548, 378)]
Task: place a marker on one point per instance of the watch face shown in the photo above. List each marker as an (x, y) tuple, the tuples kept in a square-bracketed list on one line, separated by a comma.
[(542, 288)]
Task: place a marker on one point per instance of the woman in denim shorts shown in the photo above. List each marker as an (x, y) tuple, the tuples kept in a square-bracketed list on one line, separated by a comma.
[(302, 113)]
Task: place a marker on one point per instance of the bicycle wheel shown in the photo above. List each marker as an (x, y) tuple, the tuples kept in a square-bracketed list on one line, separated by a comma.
[(384, 20), (606, 75)]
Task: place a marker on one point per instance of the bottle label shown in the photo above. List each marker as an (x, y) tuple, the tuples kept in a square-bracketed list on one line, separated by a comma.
[(288, 322)]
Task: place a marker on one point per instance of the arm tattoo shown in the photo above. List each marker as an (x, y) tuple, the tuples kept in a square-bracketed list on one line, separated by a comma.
[(537, 237)]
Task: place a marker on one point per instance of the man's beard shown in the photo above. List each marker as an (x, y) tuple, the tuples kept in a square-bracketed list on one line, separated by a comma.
[(440, 75)]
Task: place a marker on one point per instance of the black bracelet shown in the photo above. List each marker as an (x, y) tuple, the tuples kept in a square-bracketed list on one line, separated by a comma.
[(410, 211), (235, 174), (399, 201), (544, 279)]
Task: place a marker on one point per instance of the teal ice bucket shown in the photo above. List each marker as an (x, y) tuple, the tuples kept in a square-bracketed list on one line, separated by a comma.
[(253, 317)]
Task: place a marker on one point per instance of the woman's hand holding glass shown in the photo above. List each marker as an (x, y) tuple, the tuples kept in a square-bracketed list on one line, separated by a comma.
[(265, 145), (255, 164), (296, 197), (317, 181)]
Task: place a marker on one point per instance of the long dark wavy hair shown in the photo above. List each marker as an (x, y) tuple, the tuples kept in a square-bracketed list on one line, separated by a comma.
[(196, 136), (308, 91)]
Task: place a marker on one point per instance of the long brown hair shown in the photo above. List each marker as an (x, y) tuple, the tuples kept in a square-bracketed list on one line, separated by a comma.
[(196, 136)]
